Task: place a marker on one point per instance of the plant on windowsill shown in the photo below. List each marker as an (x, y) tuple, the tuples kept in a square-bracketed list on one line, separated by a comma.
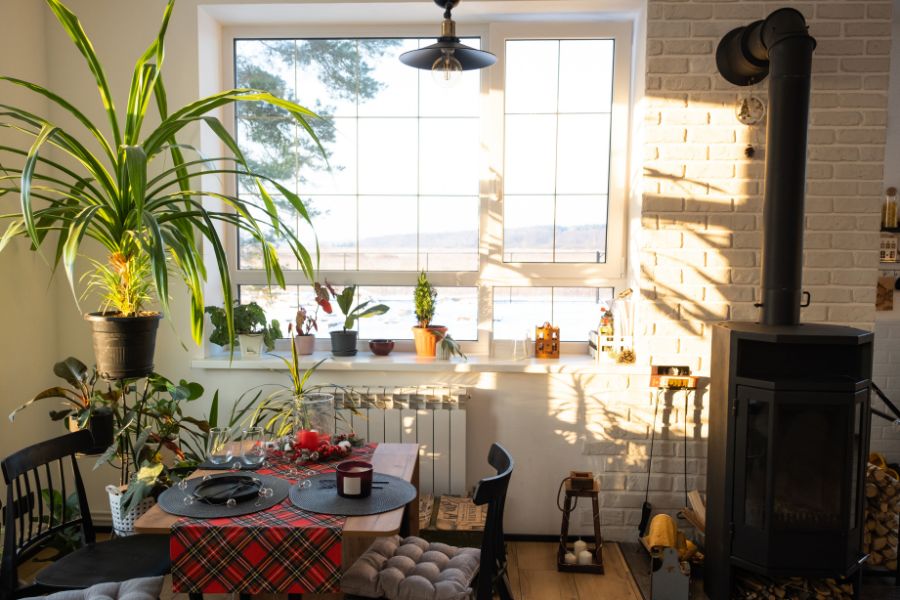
[(447, 347), (343, 343), (252, 330), (304, 324), (426, 335), (149, 218)]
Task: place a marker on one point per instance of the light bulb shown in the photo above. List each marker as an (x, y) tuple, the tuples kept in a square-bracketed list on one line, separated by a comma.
[(446, 70)]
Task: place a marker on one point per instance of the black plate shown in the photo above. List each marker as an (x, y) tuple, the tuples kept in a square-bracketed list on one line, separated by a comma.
[(218, 490)]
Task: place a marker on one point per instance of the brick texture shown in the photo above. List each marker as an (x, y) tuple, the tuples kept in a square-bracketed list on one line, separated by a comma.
[(702, 214)]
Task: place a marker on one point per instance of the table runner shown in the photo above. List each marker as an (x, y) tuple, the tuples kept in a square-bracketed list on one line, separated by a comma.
[(280, 550)]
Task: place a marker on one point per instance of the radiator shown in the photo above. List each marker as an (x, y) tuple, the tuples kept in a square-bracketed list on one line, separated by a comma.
[(432, 416)]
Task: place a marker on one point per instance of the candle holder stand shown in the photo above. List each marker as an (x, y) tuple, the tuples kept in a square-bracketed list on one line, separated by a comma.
[(572, 495)]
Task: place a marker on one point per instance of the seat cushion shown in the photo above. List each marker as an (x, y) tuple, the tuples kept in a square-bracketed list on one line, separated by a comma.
[(119, 559), (145, 588), (412, 569)]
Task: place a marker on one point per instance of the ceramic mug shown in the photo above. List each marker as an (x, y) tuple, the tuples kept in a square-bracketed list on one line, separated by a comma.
[(354, 479)]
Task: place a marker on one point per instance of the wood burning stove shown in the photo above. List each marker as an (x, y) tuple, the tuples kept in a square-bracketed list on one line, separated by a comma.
[(789, 402)]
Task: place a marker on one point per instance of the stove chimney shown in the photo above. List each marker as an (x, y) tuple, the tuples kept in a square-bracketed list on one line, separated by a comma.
[(779, 46)]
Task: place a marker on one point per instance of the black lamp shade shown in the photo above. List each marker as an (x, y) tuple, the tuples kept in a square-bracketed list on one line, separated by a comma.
[(468, 57)]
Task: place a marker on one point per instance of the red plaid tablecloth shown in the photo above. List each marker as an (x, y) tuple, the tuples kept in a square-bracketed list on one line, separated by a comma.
[(279, 550)]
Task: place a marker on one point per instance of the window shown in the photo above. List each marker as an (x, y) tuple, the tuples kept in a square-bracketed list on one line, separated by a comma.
[(506, 189)]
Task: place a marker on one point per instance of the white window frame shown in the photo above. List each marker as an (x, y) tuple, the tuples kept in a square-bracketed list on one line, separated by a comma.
[(492, 270)]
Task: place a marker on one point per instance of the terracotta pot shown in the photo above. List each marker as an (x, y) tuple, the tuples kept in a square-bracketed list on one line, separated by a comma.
[(426, 340), (305, 344)]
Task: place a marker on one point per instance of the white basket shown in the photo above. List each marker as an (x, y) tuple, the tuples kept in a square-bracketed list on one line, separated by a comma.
[(123, 525)]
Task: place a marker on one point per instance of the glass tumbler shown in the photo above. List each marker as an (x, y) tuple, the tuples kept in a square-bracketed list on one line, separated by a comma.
[(218, 447), (253, 446)]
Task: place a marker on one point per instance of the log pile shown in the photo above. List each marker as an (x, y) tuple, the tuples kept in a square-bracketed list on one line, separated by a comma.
[(757, 587), (882, 503)]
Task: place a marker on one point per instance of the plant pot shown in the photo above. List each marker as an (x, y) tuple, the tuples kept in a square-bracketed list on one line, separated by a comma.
[(305, 344), (123, 525), (123, 346), (426, 340), (251, 344), (343, 343), (101, 426)]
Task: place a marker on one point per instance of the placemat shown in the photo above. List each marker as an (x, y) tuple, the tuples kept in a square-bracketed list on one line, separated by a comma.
[(172, 500), (322, 496)]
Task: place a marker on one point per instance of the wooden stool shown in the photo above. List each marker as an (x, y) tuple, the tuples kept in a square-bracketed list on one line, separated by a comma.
[(597, 565)]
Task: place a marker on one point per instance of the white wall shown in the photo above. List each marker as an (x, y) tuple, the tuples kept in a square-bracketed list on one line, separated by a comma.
[(28, 298)]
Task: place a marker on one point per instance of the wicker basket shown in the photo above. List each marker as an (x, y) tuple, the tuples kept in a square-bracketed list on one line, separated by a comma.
[(123, 525)]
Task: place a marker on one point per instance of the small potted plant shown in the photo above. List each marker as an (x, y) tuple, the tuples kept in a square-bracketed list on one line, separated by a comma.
[(343, 342), (425, 334), (304, 324), (251, 328)]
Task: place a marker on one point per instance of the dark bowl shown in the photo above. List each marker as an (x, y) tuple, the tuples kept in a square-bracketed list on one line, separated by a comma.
[(381, 347)]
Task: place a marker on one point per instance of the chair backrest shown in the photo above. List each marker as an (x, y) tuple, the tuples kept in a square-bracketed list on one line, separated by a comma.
[(35, 476), (492, 491)]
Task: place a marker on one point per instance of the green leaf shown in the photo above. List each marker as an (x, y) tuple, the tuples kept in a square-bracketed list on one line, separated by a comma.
[(27, 174), (214, 411), (72, 370)]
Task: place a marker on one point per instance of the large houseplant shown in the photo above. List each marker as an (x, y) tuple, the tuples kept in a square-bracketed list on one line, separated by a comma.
[(148, 217), (426, 335), (343, 342)]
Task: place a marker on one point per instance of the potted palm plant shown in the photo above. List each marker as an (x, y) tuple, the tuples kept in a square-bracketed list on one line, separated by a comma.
[(148, 217), (253, 331), (426, 335), (343, 342)]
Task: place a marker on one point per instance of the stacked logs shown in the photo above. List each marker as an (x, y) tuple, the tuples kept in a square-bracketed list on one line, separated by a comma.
[(757, 587), (882, 503)]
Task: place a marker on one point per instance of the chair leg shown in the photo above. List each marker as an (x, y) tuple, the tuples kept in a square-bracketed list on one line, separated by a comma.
[(503, 587)]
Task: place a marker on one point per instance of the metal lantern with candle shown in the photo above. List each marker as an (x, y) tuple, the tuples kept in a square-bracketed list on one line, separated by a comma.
[(580, 557)]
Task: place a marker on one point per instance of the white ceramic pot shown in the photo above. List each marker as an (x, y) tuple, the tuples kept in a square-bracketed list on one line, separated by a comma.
[(123, 525), (252, 344), (305, 344)]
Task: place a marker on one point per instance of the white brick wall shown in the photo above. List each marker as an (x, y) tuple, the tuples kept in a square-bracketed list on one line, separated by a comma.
[(885, 437), (702, 213)]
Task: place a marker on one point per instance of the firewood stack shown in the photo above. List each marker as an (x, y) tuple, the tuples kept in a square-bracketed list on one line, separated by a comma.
[(757, 587), (882, 503)]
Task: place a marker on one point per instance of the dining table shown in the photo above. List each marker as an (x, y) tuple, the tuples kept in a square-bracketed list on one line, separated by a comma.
[(283, 549)]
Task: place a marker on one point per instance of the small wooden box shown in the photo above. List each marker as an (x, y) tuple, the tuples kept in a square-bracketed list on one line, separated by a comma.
[(546, 341)]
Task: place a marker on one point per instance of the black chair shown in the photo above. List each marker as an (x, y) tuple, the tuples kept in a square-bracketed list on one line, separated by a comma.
[(363, 577), (30, 523)]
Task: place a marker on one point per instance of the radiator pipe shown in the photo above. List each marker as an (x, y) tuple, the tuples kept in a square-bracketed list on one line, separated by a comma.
[(779, 47)]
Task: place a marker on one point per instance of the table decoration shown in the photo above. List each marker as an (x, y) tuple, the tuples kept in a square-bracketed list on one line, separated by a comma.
[(321, 496), (183, 499)]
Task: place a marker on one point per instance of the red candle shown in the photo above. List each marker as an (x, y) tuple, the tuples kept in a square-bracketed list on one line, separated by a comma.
[(308, 440)]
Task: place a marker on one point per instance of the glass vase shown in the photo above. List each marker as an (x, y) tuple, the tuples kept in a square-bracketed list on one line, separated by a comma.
[(314, 412)]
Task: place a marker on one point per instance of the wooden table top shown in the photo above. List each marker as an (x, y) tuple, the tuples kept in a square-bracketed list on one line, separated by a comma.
[(399, 460)]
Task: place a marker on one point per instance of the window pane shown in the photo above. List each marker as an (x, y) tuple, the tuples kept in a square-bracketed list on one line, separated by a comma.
[(557, 147), (585, 76), (386, 131), (449, 233), (528, 229), (390, 150), (279, 304), (575, 310), (250, 256), (530, 163), (531, 76), (457, 309), (387, 233), (581, 229)]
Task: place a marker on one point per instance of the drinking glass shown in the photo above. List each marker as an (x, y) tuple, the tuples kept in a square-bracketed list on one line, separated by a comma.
[(253, 446), (218, 449)]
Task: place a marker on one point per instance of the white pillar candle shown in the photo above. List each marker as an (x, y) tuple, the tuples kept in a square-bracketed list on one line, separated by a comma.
[(585, 558), (580, 546), (569, 558)]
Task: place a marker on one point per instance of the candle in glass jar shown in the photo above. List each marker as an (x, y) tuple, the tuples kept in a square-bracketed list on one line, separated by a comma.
[(585, 558)]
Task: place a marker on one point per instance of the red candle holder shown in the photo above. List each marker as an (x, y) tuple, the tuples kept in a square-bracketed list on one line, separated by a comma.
[(354, 479), (308, 439)]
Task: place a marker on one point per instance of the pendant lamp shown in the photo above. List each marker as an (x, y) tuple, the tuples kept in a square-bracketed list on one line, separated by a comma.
[(449, 57)]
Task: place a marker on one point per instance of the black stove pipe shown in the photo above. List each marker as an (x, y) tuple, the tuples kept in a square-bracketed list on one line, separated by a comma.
[(779, 46)]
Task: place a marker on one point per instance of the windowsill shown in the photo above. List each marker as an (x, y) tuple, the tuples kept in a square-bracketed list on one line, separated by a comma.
[(408, 361)]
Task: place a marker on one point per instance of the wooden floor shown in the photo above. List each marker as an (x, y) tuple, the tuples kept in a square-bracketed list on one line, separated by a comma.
[(533, 575)]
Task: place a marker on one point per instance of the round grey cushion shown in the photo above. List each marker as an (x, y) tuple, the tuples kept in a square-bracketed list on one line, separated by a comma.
[(412, 569), (144, 588)]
